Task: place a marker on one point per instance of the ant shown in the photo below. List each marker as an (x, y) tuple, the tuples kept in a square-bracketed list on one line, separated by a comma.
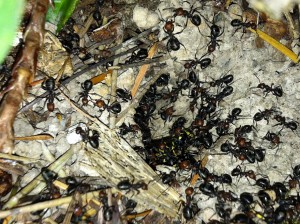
[(193, 15), (163, 80), (295, 178), (139, 56), (222, 179), (228, 90), (276, 91), (203, 62), (107, 210), (49, 86), (74, 185), (224, 80), (273, 138), (114, 108), (240, 24), (189, 208), (215, 32), (266, 114), (93, 140), (238, 172), (169, 178), (126, 185), (49, 176), (173, 43), (124, 94), (282, 121), (167, 114), (234, 115), (125, 129), (87, 86)]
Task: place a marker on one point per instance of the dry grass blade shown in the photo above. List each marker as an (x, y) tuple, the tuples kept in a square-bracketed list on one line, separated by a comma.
[(38, 181), (279, 46), (18, 158)]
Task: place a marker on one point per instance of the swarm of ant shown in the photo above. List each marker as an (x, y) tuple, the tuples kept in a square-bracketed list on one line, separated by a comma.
[(216, 121)]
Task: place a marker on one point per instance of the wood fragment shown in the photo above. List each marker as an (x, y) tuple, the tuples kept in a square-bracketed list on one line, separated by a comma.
[(99, 78), (143, 70), (141, 214)]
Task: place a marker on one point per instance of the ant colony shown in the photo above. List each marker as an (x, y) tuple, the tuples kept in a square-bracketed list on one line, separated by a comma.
[(199, 118)]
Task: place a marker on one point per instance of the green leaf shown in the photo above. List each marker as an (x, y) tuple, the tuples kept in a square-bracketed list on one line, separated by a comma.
[(61, 13), (10, 17)]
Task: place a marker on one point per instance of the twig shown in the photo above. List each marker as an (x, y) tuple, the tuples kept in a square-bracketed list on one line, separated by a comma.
[(23, 72), (136, 64), (114, 80), (56, 166), (144, 40), (46, 204)]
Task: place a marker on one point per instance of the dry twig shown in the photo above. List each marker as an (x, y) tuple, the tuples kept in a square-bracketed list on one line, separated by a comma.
[(23, 72)]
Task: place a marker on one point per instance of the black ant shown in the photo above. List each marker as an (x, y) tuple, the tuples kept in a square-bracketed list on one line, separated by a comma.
[(295, 178), (265, 114), (173, 43), (74, 185), (49, 86), (49, 176), (224, 80), (167, 114), (228, 90), (215, 32), (114, 108), (240, 24), (107, 210), (234, 115), (285, 124), (125, 129), (124, 94), (87, 86), (126, 185), (136, 57), (190, 209), (276, 91), (163, 80), (193, 15), (85, 135), (238, 172), (272, 137), (203, 62)]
